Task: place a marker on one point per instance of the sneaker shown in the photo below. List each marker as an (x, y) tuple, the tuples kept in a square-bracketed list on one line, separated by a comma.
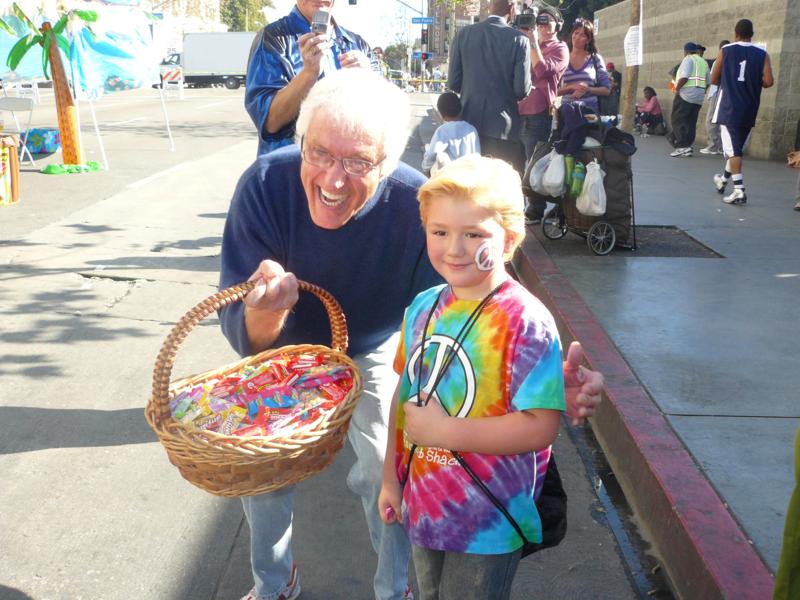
[(532, 220), (681, 152), (290, 592), (737, 197), (720, 182), (710, 151)]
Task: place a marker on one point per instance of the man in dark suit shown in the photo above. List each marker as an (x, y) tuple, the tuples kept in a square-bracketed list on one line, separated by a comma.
[(490, 68)]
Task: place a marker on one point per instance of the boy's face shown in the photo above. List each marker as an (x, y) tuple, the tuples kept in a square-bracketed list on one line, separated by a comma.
[(455, 230)]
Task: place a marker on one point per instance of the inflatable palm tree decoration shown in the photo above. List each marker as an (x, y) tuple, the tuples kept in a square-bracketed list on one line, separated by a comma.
[(51, 39)]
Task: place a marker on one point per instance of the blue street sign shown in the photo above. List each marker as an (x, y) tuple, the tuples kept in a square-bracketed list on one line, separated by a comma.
[(422, 20), (416, 55)]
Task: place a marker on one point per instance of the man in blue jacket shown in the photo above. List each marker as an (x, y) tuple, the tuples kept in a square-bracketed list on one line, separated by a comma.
[(287, 59), (338, 210)]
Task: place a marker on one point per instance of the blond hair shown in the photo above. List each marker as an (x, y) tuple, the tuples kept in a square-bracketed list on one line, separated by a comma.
[(490, 183)]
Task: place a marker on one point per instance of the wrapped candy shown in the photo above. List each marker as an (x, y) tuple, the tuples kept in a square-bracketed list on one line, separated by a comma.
[(284, 392)]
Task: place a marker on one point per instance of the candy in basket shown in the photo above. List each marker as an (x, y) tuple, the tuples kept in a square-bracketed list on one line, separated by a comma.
[(262, 423)]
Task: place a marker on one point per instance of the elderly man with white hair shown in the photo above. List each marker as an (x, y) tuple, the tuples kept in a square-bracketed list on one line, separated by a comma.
[(339, 210)]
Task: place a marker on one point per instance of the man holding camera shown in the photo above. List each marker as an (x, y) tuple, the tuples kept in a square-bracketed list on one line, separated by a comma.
[(490, 70), (549, 60), (287, 58)]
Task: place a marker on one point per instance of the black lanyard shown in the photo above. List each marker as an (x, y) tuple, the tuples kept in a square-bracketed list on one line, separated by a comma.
[(457, 343)]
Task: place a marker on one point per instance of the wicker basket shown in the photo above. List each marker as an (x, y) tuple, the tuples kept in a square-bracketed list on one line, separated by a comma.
[(236, 466)]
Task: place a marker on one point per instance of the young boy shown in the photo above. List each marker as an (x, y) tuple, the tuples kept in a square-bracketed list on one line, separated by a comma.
[(453, 139), (484, 356)]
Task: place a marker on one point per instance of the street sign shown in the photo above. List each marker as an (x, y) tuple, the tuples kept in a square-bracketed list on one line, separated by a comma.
[(416, 55), (422, 20)]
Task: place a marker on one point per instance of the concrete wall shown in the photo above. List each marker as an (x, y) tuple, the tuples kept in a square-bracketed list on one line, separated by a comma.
[(668, 25)]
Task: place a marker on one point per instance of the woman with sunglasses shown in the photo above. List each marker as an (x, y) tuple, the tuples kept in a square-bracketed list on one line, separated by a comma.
[(586, 76)]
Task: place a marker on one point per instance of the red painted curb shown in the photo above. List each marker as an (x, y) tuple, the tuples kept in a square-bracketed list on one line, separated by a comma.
[(704, 551)]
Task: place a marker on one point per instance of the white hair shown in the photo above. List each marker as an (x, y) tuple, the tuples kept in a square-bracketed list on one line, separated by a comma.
[(362, 103)]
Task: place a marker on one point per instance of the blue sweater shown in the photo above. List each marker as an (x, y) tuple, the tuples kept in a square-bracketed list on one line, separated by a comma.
[(374, 265)]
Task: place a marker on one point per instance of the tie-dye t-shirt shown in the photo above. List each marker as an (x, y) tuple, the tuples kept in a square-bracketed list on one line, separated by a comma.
[(509, 361)]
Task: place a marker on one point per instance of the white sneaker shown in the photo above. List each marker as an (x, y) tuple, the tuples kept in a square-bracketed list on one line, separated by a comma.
[(710, 151), (290, 592), (720, 182), (737, 197), (681, 152)]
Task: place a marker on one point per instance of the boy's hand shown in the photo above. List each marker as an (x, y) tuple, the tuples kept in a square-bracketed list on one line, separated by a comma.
[(582, 386), (426, 425), (390, 501)]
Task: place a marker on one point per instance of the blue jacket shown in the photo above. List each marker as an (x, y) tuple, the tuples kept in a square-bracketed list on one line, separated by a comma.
[(374, 265), (275, 60)]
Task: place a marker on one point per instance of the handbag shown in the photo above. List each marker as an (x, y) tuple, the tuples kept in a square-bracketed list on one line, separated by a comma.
[(592, 199), (552, 502), (541, 150)]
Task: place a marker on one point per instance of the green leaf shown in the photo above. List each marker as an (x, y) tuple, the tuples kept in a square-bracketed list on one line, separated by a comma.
[(24, 18), (62, 23), (46, 54), (7, 28), (64, 45), (19, 50), (89, 16)]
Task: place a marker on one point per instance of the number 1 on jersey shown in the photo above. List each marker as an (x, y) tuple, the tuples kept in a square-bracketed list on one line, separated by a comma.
[(742, 66)]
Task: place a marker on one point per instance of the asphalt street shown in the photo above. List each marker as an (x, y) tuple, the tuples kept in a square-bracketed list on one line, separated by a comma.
[(95, 269)]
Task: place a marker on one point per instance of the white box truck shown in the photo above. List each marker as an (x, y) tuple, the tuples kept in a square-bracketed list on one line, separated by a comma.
[(216, 58)]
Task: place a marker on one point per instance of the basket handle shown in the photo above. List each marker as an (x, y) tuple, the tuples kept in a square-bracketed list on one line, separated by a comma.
[(162, 371)]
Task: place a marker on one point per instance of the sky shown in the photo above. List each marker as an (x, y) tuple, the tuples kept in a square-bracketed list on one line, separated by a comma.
[(380, 22)]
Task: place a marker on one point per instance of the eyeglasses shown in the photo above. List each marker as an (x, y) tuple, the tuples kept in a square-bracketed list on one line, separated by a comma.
[(325, 160)]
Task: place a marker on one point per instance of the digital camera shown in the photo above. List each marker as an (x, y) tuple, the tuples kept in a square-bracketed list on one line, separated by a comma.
[(319, 22)]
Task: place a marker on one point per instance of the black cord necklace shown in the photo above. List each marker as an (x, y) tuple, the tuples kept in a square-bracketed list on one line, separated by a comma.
[(452, 352)]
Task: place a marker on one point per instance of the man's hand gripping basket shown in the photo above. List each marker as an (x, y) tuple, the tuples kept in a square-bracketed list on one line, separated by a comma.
[(229, 465)]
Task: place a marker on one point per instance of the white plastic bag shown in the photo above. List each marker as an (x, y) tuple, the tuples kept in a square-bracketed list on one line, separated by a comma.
[(553, 180), (592, 199), (537, 173)]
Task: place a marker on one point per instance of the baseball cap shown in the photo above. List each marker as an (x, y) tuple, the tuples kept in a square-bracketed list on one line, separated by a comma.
[(690, 47), (610, 65)]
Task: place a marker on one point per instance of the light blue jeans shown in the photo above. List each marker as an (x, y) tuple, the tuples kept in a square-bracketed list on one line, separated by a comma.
[(270, 515), (460, 576)]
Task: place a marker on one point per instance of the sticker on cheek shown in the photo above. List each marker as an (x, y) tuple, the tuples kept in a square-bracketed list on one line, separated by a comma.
[(484, 256)]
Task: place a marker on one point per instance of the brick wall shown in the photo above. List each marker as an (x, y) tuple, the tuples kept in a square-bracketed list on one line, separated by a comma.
[(668, 25)]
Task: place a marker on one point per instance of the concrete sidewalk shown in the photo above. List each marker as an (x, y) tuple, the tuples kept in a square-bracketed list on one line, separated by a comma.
[(699, 356), (90, 507)]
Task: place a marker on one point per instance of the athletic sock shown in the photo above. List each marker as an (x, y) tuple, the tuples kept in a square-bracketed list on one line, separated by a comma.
[(726, 175), (738, 182)]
